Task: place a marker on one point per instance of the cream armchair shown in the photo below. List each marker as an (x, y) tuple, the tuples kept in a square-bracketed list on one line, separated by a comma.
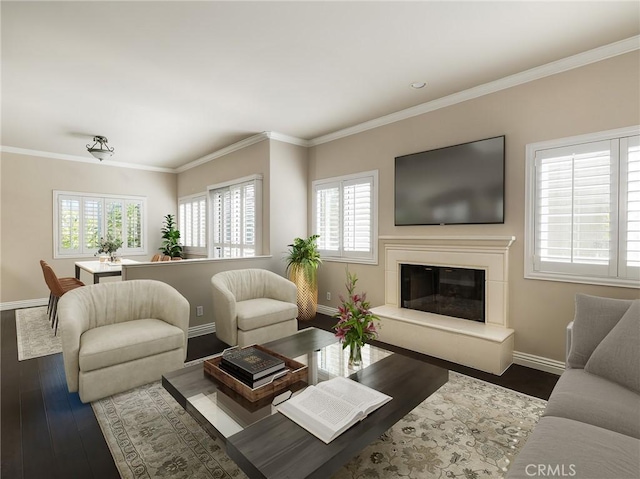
[(116, 336), (253, 306)]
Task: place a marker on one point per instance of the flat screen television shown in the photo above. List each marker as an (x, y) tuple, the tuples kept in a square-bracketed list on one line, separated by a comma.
[(461, 184)]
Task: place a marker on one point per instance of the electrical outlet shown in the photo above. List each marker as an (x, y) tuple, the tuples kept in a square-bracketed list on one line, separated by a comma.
[(199, 310), (328, 296)]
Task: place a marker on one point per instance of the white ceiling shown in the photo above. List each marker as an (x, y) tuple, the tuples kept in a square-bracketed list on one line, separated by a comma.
[(170, 82)]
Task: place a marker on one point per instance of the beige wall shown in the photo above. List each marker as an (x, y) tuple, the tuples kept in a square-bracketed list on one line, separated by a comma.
[(593, 98), (27, 184), (289, 172)]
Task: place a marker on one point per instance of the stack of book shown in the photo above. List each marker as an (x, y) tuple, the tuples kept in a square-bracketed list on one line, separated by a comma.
[(252, 366)]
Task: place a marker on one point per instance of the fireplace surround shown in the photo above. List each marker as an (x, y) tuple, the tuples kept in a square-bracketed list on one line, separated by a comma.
[(487, 345)]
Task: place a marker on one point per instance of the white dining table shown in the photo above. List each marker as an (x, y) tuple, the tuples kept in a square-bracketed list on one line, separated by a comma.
[(101, 269)]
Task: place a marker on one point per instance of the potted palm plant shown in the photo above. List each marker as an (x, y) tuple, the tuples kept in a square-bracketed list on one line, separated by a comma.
[(303, 260), (170, 238)]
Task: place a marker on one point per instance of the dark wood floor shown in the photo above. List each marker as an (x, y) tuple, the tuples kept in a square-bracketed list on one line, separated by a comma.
[(48, 433)]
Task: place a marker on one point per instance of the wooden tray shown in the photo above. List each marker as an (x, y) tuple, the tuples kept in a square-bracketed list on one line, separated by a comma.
[(297, 372)]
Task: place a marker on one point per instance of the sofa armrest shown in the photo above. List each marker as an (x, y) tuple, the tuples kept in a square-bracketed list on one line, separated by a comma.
[(74, 321), (282, 289), (568, 346)]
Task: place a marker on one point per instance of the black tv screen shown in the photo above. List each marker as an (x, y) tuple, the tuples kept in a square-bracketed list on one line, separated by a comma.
[(461, 184)]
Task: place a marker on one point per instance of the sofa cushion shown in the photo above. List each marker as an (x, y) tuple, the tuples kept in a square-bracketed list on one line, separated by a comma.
[(260, 312), (560, 447), (121, 342), (585, 397), (617, 357), (595, 317)]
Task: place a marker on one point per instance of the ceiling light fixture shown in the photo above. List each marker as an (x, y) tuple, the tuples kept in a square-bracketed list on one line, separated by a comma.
[(418, 84), (102, 151)]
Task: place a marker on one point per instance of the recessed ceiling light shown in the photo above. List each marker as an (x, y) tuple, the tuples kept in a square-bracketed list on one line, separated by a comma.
[(418, 84)]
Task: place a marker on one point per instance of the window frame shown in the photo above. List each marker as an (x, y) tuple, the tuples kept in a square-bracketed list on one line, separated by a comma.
[(212, 245), (579, 273), (370, 257), (195, 198), (83, 251)]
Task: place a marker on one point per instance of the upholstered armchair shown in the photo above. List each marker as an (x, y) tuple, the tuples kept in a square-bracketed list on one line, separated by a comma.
[(253, 306), (119, 335)]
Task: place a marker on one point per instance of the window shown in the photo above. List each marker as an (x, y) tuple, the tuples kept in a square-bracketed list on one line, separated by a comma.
[(81, 219), (345, 217), (236, 218), (583, 209), (192, 223)]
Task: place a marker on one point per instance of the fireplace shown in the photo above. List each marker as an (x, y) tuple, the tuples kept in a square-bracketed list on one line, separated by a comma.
[(455, 292), (443, 280)]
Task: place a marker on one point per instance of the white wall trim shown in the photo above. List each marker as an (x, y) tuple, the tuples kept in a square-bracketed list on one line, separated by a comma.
[(328, 310), (201, 330), (82, 159), (287, 139), (25, 303), (538, 362), (537, 73)]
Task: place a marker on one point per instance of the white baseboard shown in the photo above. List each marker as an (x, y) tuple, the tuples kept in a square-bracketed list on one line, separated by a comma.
[(328, 310), (27, 303), (538, 362), (201, 330)]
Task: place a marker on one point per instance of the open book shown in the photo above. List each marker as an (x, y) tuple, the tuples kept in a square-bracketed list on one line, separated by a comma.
[(330, 408)]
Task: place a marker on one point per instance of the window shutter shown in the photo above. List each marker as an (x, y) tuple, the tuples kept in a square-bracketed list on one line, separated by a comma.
[(576, 209), (235, 219), (114, 219), (357, 213), (92, 227), (328, 218), (630, 208), (68, 225), (134, 225)]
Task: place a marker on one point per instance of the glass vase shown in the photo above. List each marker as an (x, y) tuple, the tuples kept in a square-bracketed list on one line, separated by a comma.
[(355, 354)]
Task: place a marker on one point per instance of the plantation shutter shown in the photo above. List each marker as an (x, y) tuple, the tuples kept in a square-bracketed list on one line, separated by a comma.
[(133, 225), (235, 220), (576, 210), (192, 220), (328, 218), (92, 227), (357, 213), (68, 225), (630, 209)]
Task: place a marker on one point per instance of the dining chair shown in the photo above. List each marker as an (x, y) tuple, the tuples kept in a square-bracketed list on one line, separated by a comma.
[(57, 288), (156, 257)]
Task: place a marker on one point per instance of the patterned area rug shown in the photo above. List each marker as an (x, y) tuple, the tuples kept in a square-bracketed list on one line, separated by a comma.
[(468, 429), (34, 333)]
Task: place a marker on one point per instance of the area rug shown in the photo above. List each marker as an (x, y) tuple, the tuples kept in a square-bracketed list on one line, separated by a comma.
[(468, 429), (35, 335)]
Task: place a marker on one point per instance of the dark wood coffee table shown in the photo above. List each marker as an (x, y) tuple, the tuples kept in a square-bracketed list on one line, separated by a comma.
[(265, 443)]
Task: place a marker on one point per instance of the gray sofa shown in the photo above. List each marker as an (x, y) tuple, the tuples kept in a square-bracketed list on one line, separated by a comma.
[(591, 426)]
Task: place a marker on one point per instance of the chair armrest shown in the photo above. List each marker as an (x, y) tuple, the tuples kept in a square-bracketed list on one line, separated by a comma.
[(282, 289), (568, 345), (224, 312)]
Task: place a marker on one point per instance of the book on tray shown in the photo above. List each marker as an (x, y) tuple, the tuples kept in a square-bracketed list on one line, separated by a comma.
[(251, 364), (330, 408), (258, 382)]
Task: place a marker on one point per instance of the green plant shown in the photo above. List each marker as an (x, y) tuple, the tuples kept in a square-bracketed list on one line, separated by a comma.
[(303, 255), (170, 238), (108, 246)]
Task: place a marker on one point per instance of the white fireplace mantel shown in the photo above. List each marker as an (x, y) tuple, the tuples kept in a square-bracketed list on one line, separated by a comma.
[(486, 346)]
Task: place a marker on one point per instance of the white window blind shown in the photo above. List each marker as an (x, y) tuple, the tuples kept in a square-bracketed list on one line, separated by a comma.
[(583, 210), (345, 217), (235, 218), (192, 221), (81, 220)]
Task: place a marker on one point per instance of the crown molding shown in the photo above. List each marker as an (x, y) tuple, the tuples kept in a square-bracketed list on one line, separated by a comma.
[(576, 61), (82, 159), (287, 139)]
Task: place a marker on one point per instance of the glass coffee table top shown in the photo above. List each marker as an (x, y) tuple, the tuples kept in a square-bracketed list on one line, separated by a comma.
[(229, 413)]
